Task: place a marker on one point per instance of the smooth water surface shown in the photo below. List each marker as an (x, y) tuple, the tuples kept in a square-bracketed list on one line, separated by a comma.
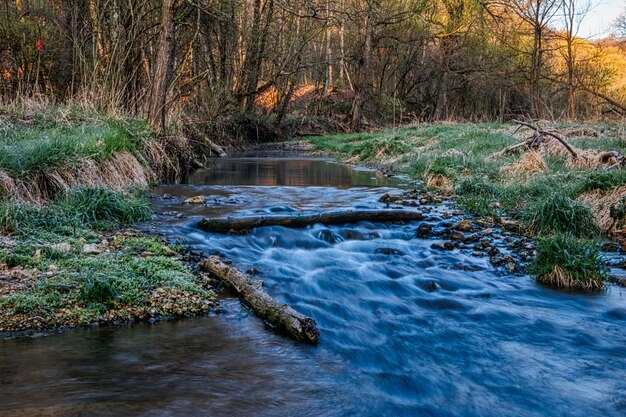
[(405, 329)]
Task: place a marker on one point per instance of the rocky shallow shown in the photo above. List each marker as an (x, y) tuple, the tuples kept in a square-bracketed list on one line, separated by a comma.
[(500, 239)]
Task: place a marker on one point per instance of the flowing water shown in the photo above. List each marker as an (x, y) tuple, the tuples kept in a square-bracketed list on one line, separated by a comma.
[(405, 329)]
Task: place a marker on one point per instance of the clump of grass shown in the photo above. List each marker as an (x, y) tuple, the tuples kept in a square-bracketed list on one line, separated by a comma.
[(98, 291), (477, 196), (559, 213), (83, 207), (15, 216), (141, 244), (377, 148), (101, 208), (564, 262)]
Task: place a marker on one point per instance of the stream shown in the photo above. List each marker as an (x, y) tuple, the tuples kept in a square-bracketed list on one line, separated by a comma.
[(405, 329)]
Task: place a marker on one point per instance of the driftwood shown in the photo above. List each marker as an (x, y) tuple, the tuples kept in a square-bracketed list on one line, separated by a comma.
[(554, 135), (620, 160), (214, 147), (299, 326), (532, 142), (538, 133), (241, 224)]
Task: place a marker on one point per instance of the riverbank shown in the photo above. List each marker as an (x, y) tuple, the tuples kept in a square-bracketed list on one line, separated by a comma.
[(71, 183), (568, 204)]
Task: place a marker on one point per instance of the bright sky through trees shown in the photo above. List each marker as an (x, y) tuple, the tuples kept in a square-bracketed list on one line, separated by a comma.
[(598, 22)]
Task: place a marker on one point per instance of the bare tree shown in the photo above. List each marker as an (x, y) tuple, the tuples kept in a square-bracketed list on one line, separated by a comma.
[(157, 109), (620, 26), (538, 15), (573, 13)]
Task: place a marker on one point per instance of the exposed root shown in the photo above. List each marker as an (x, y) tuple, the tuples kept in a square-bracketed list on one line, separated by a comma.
[(561, 279), (530, 162)]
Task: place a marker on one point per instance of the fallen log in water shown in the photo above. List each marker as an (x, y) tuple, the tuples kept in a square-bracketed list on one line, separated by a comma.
[(240, 224), (296, 324)]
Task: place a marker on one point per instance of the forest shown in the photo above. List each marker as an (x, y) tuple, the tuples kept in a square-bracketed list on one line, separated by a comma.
[(237, 67)]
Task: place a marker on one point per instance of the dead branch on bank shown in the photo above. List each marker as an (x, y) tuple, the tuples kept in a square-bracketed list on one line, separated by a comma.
[(541, 133), (299, 326), (580, 159), (242, 224)]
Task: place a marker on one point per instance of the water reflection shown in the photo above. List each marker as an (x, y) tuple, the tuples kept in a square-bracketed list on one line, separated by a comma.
[(286, 172)]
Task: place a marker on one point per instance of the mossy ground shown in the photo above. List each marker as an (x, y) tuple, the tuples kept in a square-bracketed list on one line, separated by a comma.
[(68, 264), (544, 191)]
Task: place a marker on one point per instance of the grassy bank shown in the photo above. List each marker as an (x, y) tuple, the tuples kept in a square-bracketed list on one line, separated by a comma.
[(71, 182), (46, 149), (550, 193)]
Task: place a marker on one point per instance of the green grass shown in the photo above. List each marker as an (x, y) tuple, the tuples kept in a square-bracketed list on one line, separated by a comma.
[(26, 149), (565, 262), (601, 180), (83, 207), (559, 213), (100, 208), (97, 282), (467, 154)]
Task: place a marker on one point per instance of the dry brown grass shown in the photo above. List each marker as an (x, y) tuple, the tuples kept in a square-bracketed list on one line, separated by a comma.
[(560, 279), (445, 184), (121, 172), (591, 160), (601, 202), (588, 159), (158, 155), (23, 191), (529, 163), (552, 147)]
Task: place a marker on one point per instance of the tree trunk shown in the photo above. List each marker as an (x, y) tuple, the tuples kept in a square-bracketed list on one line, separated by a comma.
[(160, 81), (536, 64), (243, 224), (329, 53), (363, 85), (299, 326)]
